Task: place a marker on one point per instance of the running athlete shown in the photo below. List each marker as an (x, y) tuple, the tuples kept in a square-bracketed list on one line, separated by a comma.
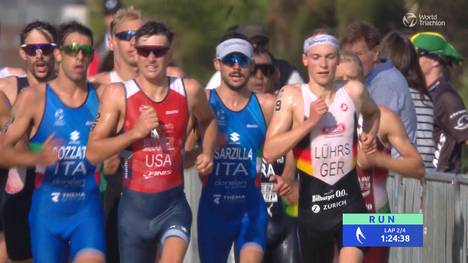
[(146, 119), (231, 207), (373, 168), (282, 244), (66, 218), (12, 157), (373, 171), (317, 120), (37, 42), (123, 27)]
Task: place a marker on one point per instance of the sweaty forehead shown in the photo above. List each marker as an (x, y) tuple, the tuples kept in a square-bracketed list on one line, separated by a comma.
[(38, 36), (77, 38), (156, 40), (322, 50)]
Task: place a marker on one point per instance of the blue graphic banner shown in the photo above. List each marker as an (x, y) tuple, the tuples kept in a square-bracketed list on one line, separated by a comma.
[(383, 230)]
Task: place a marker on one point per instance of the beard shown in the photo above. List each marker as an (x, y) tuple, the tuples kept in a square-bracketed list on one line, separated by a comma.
[(42, 76), (233, 85)]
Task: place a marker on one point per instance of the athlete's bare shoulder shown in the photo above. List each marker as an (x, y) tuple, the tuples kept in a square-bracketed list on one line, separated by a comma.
[(102, 78), (17, 72), (113, 91), (267, 102), (290, 90), (9, 86), (288, 96), (354, 88), (174, 71), (192, 86), (31, 97)]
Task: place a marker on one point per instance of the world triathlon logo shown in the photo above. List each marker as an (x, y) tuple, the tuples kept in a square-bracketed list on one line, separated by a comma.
[(410, 20)]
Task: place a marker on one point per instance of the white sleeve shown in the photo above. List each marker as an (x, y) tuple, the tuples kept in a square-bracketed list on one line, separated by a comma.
[(295, 78), (215, 81)]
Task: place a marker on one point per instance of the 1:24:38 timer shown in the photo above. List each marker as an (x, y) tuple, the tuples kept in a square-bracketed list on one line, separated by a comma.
[(395, 238)]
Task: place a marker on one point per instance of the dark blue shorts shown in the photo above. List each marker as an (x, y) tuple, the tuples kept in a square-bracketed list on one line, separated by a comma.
[(55, 237), (219, 226), (146, 220)]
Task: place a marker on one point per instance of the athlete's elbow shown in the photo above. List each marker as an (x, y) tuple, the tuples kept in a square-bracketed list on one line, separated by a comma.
[(91, 155), (420, 170), (268, 155)]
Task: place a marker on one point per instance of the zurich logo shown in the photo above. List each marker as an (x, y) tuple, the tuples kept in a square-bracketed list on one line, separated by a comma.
[(234, 137)]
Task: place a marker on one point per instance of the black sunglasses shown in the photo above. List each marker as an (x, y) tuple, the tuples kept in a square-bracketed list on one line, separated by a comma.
[(266, 69), (158, 51), (46, 48), (125, 35)]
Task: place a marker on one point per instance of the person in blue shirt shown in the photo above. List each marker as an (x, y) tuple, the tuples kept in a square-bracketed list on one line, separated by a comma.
[(385, 84)]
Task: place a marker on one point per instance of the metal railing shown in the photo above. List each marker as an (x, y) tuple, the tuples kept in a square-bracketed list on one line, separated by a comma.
[(444, 204), (441, 197)]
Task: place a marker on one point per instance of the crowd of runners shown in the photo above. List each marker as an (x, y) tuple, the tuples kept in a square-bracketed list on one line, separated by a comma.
[(93, 164)]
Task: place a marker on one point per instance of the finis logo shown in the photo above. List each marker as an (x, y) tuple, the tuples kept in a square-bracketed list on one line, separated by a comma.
[(234, 137), (410, 20)]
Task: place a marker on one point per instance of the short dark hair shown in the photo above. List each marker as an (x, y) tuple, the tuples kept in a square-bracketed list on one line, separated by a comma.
[(361, 30), (72, 27), (263, 50), (47, 29), (152, 28), (233, 34)]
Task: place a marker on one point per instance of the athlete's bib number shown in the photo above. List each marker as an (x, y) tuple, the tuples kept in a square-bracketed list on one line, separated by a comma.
[(268, 194)]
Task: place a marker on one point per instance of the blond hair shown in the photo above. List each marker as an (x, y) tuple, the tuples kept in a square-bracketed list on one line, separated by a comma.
[(124, 14), (346, 56)]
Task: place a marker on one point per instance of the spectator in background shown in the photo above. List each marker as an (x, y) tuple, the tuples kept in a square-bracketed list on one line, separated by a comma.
[(258, 36), (399, 49), (9, 71), (386, 85), (436, 57), (103, 56)]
